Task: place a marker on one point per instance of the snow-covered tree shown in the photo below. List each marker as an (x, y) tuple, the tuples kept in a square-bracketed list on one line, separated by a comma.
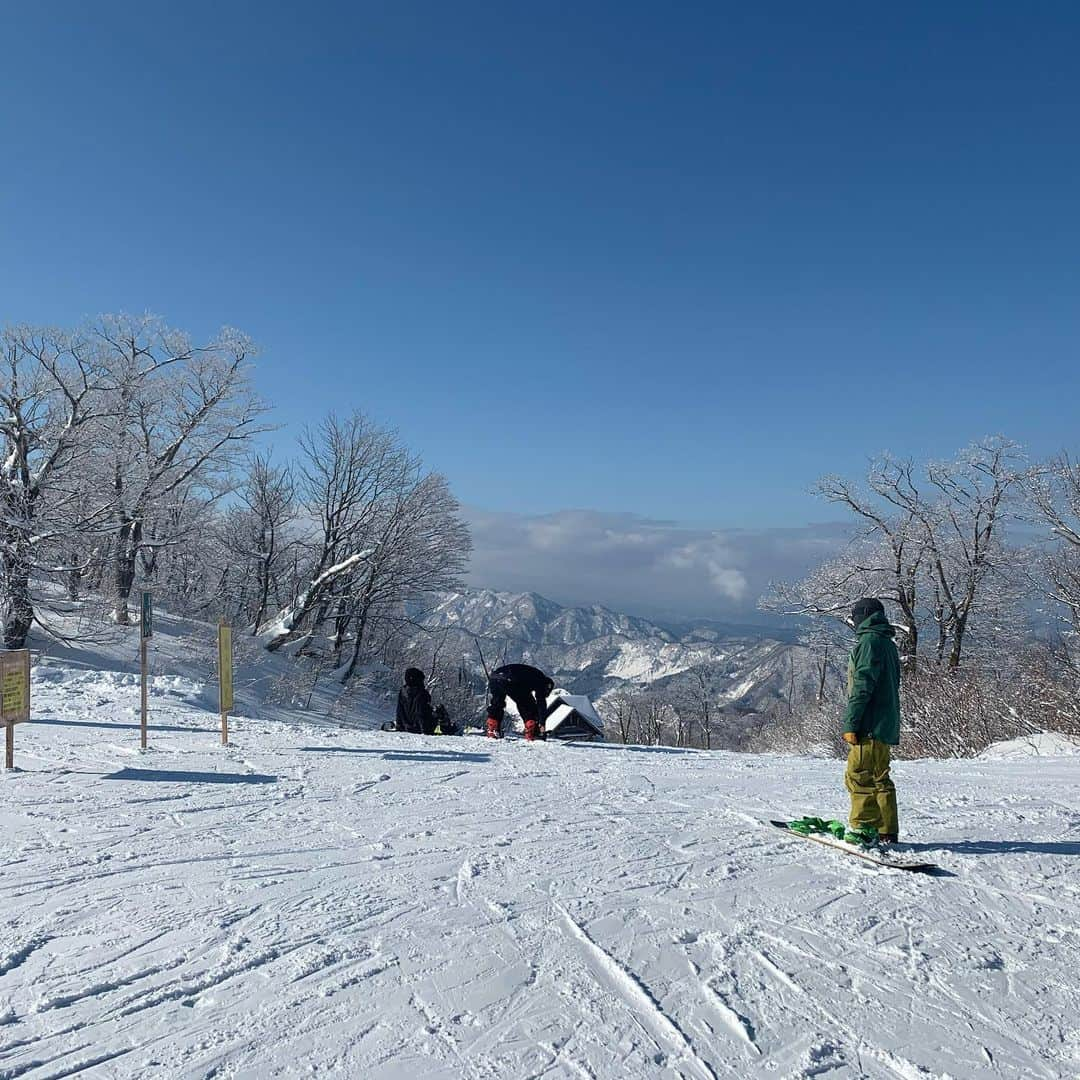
[(52, 407), (345, 469), (969, 558), (180, 418), (382, 533), (260, 538), (823, 599), (419, 546), (890, 554), (622, 706), (1054, 502), (932, 547)]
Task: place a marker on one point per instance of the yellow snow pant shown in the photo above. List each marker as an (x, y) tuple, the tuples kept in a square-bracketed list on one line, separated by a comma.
[(873, 796)]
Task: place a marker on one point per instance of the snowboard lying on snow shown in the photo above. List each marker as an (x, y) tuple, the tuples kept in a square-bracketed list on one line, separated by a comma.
[(869, 854)]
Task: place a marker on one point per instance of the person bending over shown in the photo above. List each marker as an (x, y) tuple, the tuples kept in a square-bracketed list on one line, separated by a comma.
[(528, 688)]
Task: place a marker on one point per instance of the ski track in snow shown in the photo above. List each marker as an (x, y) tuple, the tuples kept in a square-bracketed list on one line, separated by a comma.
[(636, 995), (369, 904)]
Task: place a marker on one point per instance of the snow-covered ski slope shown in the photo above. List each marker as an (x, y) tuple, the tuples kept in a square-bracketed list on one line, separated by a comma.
[(360, 904)]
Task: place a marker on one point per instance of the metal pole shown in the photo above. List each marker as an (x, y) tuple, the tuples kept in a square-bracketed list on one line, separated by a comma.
[(225, 678), (9, 745)]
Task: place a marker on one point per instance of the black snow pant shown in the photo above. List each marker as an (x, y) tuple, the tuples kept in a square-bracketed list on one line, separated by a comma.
[(527, 707)]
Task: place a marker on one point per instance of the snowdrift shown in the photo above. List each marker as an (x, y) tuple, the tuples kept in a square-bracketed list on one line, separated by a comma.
[(1045, 744)]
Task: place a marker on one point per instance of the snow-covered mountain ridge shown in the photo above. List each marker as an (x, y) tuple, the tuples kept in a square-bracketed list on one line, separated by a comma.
[(533, 619), (596, 651)]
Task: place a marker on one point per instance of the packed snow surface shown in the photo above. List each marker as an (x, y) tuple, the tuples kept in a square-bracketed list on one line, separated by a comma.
[(313, 900)]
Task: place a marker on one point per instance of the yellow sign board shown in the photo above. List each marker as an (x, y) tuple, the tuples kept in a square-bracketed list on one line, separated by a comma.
[(225, 667), (15, 686)]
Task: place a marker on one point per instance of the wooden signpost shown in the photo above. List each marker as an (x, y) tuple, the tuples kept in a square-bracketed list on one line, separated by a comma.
[(225, 678), (146, 632), (14, 697)]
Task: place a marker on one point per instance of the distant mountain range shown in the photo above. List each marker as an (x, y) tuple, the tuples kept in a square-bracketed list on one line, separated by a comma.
[(596, 651)]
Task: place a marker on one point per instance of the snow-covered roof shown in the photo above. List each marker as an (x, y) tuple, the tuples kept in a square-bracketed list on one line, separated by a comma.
[(568, 704)]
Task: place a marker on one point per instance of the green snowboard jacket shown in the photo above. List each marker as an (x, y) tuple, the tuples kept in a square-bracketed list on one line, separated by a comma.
[(873, 706)]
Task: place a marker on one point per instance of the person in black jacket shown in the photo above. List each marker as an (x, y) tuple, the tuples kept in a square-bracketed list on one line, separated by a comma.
[(414, 712), (528, 688)]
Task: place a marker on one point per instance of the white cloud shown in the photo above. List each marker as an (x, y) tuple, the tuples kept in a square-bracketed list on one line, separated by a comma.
[(641, 565), (728, 582)]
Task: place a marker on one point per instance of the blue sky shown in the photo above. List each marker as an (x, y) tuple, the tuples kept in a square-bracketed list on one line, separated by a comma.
[(672, 261)]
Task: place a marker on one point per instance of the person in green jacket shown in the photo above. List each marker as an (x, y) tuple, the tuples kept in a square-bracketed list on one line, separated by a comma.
[(872, 722)]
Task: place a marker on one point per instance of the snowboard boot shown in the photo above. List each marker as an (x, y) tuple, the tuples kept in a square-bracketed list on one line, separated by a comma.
[(493, 731), (532, 729), (862, 836)]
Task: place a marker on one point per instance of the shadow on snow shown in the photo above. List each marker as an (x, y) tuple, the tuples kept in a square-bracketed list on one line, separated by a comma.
[(399, 755), (173, 776), (634, 748), (130, 727), (1001, 847)]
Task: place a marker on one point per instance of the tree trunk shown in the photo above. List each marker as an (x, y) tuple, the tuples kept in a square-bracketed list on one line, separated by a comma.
[(361, 624), (958, 642), (942, 641), (823, 672), (358, 643), (16, 606), (341, 628), (99, 560), (910, 649), (74, 578), (265, 559), (149, 559), (127, 550)]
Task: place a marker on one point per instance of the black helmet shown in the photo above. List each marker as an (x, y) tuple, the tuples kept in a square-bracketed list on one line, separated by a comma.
[(864, 608), (414, 677)]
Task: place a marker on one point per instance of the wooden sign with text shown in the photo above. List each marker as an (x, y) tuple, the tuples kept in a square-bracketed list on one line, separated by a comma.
[(15, 686), (14, 697), (225, 678)]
